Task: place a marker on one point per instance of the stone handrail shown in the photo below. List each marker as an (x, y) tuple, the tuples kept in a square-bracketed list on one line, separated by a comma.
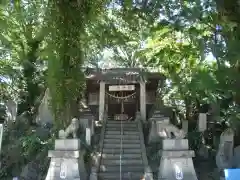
[(147, 170), (71, 129), (97, 157)]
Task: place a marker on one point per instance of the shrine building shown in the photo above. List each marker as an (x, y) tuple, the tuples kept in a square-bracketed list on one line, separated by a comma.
[(121, 92)]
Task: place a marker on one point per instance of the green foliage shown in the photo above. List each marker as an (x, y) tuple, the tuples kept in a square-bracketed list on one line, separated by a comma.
[(171, 37), (195, 140), (31, 145), (20, 146)]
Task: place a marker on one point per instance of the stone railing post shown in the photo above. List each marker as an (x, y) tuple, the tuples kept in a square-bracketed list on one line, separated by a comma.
[(147, 170), (67, 158)]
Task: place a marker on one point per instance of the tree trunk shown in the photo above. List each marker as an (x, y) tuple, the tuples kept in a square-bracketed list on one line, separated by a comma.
[(32, 90)]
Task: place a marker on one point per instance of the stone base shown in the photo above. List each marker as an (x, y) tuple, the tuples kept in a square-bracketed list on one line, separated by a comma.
[(66, 161), (63, 169), (176, 161), (175, 144), (176, 169)]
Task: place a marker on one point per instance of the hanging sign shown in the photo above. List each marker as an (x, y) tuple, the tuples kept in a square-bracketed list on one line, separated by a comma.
[(122, 88)]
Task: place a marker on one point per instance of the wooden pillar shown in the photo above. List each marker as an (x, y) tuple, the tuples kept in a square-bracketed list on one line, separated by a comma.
[(101, 100), (143, 100)]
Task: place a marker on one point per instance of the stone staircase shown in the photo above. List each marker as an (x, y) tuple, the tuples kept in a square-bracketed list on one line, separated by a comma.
[(132, 165)]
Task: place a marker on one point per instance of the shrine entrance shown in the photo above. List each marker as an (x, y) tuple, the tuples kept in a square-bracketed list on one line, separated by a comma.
[(121, 102)]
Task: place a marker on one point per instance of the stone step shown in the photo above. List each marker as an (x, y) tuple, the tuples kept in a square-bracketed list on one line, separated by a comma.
[(121, 122), (124, 141), (134, 129), (125, 176), (118, 136), (124, 146), (124, 151), (126, 168), (124, 156), (124, 132), (124, 128), (122, 162)]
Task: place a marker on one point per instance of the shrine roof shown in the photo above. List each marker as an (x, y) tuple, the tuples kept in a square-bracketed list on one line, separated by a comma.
[(122, 74)]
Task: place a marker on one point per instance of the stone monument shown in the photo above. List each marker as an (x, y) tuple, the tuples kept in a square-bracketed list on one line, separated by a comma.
[(44, 113), (67, 159), (11, 110), (224, 157)]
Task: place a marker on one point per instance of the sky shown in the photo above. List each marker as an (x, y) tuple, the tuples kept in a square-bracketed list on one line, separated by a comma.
[(104, 63)]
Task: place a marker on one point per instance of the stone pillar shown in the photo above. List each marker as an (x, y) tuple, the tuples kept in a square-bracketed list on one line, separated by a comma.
[(101, 100), (88, 136), (143, 100), (185, 126), (202, 122)]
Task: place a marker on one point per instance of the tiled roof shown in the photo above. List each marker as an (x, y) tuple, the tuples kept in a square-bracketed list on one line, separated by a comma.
[(123, 75)]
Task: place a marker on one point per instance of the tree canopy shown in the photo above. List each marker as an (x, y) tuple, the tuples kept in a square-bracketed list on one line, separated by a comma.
[(47, 44)]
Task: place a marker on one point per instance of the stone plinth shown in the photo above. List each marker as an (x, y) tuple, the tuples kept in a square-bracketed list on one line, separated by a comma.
[(66, 161), (176, 161)]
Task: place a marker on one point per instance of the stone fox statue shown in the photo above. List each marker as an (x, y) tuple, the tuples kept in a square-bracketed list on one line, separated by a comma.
[(71, 129), (173, 132)]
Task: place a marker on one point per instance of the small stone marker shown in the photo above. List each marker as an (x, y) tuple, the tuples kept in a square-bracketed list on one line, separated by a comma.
[(202, 122), (88, 136), (185, 126), (92, 127), (1, 135)]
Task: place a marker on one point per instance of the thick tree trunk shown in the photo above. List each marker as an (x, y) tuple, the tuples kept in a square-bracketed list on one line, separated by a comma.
[(32, 90)]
